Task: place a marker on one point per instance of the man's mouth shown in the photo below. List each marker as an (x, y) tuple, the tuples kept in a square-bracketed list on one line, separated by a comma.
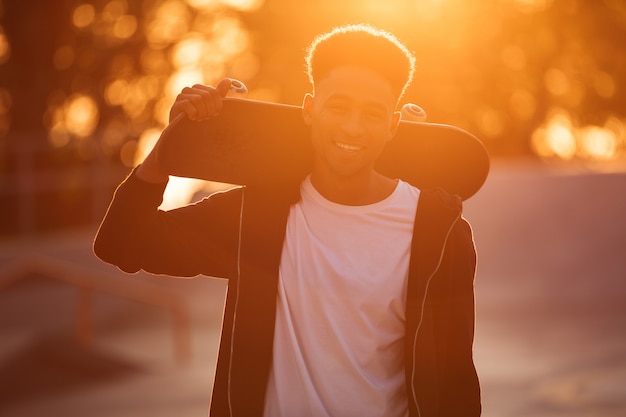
[(348, 148)]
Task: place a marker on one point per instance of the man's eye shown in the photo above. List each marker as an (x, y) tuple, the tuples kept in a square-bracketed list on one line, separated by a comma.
[(374, 115), (338, 108)]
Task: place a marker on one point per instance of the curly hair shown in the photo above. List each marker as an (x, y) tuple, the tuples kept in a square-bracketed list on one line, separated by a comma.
[(364, 46)]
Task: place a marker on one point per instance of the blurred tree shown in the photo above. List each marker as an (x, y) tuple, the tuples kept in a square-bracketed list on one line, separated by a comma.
[(496, 67), (94, 78)]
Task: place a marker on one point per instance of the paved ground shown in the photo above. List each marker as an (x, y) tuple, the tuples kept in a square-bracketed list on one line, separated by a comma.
[(551, 332), (550, 340)]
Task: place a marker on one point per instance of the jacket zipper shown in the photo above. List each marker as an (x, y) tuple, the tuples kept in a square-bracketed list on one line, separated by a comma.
[(232, 335)]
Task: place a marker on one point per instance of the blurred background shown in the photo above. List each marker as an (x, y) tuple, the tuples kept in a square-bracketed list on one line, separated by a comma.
[(85, 90)]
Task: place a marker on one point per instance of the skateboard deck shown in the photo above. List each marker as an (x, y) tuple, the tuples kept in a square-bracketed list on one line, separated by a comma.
[(266, 144)]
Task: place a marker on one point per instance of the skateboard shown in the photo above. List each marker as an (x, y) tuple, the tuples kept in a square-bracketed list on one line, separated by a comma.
[(256, 143)]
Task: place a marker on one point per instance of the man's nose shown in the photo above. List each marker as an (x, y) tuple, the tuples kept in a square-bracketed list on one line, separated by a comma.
[(352, 124)]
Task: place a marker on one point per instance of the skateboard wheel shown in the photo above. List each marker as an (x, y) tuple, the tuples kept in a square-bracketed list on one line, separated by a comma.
[(413, 112), (238, 87)]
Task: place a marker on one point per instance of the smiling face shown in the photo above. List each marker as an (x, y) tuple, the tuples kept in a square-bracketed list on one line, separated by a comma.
[(352, 117)]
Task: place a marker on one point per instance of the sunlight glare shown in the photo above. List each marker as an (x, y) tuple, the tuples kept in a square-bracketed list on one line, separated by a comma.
[(598, 142), (189, 51), (182, 79), (206, 5), (180, 191), (243, 5), (531, 6), (559, 137), (556, 137), (430, 9), (230, 37), (170, 22)]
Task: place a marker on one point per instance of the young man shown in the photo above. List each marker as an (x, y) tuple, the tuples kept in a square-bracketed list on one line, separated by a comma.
[(351, 293)]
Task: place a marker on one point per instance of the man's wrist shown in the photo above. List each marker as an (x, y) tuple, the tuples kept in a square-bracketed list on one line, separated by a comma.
[(147, 173)]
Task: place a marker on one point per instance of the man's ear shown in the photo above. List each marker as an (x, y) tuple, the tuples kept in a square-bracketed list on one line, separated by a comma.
[(395, 122), (307, 108)]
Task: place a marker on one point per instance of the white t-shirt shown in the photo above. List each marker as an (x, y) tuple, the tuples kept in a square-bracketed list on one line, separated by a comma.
[(339, 335)]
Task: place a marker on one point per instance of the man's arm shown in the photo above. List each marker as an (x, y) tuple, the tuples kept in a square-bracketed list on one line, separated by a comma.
[(196, 239), (136, 235)]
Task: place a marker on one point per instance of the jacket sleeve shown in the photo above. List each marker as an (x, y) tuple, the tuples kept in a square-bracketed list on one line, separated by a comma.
[(200, 238), (454, 317)]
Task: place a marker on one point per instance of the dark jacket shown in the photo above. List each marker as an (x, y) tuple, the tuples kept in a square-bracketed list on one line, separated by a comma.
[(238, 234)]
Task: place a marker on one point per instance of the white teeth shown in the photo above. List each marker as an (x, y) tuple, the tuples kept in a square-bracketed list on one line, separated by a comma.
[(346, 147)]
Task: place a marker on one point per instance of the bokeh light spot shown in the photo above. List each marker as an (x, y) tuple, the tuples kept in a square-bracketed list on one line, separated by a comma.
[(603, 84), (245, 67), (113, 135), (206, 5), (153, 61), (5, 101), (557, 82), (169, 23), (182, 79), (83, 15), (189, 51), (115, 9), (125, 26), (147, 140), (243, 5), (63, 57), (556, 138), (490, 121), (598, 142), (127, 153), (514, 57), (115, 93), (230, 37), (81, 115), (5, 47), (523, 104)]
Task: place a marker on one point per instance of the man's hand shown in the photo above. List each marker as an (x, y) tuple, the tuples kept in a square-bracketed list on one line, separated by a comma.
[(199, 102)]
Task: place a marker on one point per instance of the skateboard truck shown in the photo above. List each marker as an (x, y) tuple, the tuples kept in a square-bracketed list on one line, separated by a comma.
[(238, 87), (413, 112)]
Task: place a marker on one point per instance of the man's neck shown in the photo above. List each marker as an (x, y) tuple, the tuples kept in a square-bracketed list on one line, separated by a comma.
[(356, 190)]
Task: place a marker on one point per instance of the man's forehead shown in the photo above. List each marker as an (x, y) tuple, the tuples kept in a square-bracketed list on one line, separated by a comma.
[(355, 83), (367, 100)]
